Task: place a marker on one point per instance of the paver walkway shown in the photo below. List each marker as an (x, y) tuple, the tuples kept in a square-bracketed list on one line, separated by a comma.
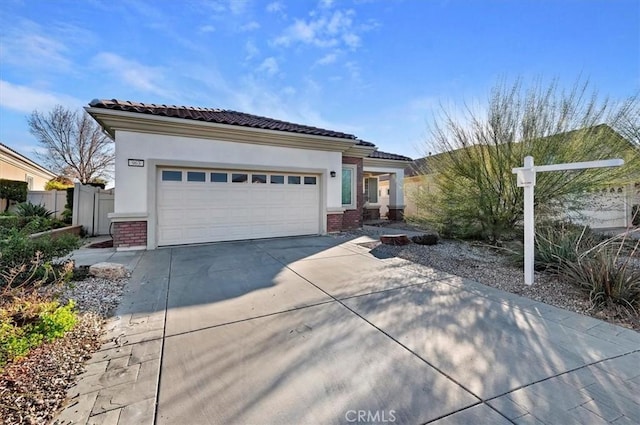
[(319, 330)]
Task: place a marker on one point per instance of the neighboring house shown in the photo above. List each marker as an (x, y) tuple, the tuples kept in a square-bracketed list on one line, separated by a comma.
[(194, 175), (14, 166), (606, 208)]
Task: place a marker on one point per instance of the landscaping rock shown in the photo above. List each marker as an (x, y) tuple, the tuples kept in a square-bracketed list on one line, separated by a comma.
[(108, 270), (395, 239), (426, 239)]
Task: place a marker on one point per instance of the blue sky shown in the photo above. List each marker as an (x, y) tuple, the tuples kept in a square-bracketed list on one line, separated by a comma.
[(377, 69)]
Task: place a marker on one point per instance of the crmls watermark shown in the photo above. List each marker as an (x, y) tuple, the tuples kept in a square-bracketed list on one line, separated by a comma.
[(370, 416)]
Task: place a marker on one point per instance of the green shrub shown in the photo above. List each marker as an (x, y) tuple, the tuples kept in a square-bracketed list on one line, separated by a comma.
[(13, 190), (17, 249), (560, 242), (606, 277), (67, 214), (28, 225), (41, 224), (56, 320), (27, 209), (57, 185), (26, 322), (11, 222)]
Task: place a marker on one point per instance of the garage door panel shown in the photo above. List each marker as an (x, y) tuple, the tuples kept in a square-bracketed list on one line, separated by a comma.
[(193, 212)]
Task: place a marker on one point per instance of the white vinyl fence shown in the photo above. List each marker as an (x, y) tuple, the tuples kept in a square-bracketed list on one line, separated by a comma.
[(91, 206), (53, 200)]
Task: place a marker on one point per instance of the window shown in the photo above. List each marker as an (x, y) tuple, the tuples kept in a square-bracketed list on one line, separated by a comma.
[(171, 176), (309, 180), (196, 176), (258, 178), (277, 179), (293, 179), (371, 190), (219, 177), (239, 178), (349, 186)]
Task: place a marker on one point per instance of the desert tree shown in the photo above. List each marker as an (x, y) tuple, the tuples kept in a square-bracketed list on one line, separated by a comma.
[(473, 192), (74, 145)]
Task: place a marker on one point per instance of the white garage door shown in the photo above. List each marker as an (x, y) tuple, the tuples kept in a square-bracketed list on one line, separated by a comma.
[(197, 206)]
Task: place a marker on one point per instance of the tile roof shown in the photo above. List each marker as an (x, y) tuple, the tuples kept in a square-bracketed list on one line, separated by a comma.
[(387, 155), (220, 116)]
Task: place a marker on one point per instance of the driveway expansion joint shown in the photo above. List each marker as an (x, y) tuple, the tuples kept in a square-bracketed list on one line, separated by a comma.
[(338, 300), (164, 333)]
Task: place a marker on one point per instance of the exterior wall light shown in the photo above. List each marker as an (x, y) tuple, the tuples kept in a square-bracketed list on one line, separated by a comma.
[(332, 173)]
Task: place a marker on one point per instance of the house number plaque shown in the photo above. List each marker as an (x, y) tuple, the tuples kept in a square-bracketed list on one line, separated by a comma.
[(136, 163)]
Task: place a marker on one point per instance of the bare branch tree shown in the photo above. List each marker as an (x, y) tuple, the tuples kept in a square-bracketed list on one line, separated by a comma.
[(76, 146)]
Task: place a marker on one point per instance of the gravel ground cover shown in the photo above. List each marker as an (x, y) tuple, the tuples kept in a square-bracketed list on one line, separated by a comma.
[(489, 267), (33, 388)]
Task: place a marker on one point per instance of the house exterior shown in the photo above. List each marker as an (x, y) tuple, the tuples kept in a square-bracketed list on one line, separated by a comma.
[(194, 175), (14, 166)]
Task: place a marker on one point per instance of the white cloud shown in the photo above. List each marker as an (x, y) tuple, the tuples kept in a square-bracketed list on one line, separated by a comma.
[(27, 45), (138, 76), (251, 49), (251, 26), (354, 70), (327, 59), (326, 4), (206, 29), (275, 6), (270, 66), (238, 7), (323, 29), (27, 99), (351, 40)]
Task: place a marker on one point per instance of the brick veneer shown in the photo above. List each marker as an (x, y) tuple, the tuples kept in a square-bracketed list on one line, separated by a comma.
[(334, 222), (352, 219), (396, 214), (129, 233)]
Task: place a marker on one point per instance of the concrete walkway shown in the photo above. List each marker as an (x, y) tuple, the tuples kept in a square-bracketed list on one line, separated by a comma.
[(319, 330)]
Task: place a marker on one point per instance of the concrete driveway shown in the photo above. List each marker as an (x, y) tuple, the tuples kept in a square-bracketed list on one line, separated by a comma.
[(318, 330)]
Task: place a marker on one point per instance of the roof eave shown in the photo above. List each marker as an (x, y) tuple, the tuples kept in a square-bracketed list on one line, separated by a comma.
[(27, 161), (379, 162), (359, 151), (113, 121)]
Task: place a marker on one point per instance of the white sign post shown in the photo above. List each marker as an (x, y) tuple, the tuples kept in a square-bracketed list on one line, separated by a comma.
[(526, 177)]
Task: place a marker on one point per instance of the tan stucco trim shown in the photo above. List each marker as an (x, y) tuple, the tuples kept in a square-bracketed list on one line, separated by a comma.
[(387, 163), (123, 217), (113, 121)]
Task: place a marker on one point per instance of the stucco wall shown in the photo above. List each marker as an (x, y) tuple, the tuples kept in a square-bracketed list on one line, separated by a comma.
[(132, 182), (15, 172)]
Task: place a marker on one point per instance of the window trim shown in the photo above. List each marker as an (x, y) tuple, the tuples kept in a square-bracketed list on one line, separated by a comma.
[(182, 175), (298, 176), (211, 180), (354, 186), (194, 173), (246, 174)]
